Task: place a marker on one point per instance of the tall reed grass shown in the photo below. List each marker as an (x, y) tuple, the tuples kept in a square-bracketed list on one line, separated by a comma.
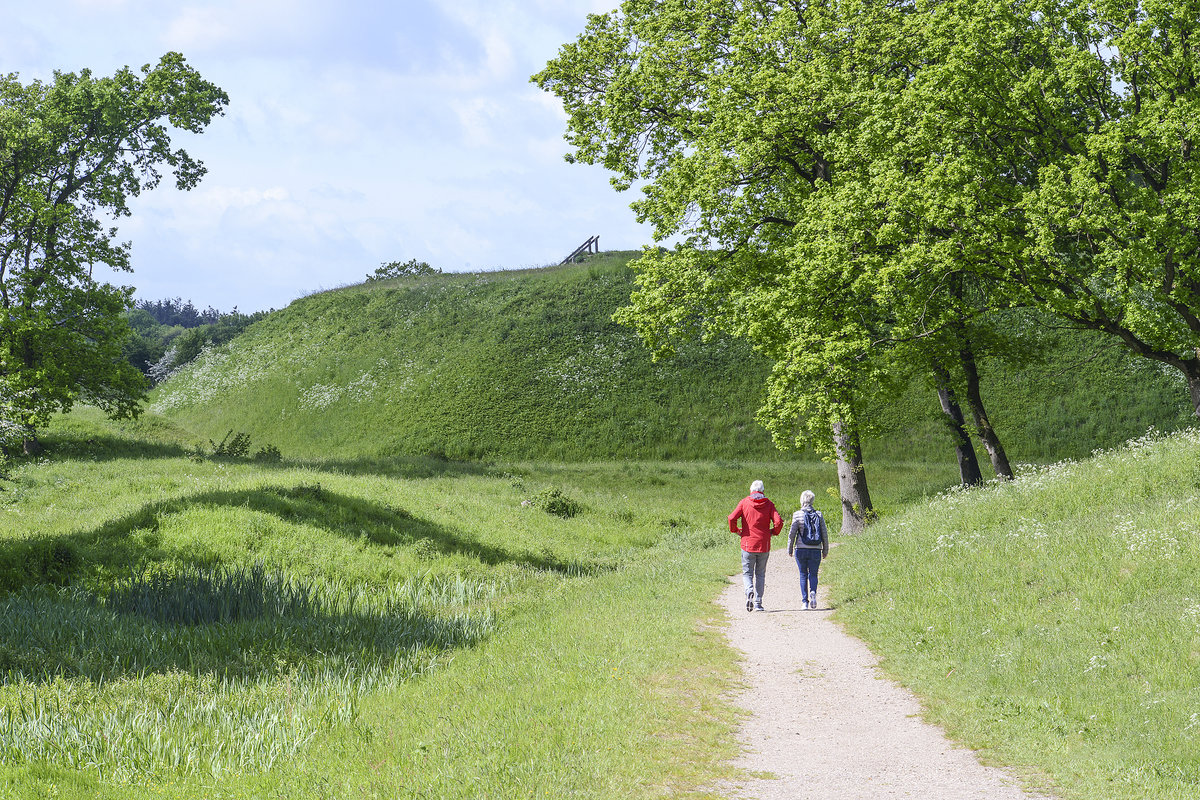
[(213, 672)]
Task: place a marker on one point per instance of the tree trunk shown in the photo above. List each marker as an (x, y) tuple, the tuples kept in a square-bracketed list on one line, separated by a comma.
[(852, 479), (983, 425), (31, 446), (968, 463), (1193, 382)]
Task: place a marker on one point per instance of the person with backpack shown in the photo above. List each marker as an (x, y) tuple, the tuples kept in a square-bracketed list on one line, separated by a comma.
[(809, 540), (759, 522)]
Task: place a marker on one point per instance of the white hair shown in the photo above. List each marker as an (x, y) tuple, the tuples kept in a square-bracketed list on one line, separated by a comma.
[(806, 498), (757, 486)]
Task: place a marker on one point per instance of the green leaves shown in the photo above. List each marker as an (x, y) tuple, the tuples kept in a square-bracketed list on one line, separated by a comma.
[(72, 150), (863, 191), (742, 121), (396, 269)]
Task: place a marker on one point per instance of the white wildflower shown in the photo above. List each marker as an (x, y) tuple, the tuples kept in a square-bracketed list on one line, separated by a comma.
[(1191, 612)]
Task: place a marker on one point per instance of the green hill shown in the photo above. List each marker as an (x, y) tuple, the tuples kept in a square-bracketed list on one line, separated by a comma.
[(529, 365), (519, 364)]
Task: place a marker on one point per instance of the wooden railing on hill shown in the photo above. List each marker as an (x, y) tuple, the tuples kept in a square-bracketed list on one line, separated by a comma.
[(592, 245)]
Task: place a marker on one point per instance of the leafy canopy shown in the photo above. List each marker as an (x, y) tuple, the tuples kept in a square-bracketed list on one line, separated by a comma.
[(72, 152), (743, 122), (859, 188)]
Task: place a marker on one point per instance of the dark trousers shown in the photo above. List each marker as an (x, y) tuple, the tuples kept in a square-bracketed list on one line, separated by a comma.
[(808, 559)]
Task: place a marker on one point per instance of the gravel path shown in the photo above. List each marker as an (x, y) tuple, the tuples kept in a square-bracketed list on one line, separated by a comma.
[(825, 722)]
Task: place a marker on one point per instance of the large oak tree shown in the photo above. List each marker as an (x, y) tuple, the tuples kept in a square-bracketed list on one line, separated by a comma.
[(753, 127), (862, 188), (1051, 147)]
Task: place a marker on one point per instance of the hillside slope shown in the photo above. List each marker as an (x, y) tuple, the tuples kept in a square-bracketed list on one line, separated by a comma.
[(517, 364), (529, 365)]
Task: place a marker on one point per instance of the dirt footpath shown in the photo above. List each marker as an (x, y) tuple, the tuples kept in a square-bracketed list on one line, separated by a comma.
[(824, 721)]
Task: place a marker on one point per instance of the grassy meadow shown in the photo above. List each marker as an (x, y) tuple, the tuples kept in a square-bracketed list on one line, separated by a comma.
[(178, 626), (458, 536)]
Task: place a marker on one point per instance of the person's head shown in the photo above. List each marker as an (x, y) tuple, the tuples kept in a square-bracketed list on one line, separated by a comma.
[(757, 486), (806, 498)]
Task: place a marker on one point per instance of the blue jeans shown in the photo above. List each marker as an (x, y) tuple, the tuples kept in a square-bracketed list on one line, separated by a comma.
[(808, 559), (754, 575)]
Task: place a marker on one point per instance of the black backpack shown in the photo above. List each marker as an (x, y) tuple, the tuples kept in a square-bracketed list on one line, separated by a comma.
[(810, 527)]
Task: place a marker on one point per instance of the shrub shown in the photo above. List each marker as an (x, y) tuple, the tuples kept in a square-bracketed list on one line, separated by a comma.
[(38, 560), (303, 491), (233, 445), (55, 560), (426, 549), (394, 269), (269, 454), (553, 501)]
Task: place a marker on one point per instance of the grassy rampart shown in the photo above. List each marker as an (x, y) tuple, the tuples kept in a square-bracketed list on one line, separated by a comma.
[(529, 365)]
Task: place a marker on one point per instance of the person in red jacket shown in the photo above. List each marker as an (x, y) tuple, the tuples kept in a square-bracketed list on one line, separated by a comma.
[(759, 522)]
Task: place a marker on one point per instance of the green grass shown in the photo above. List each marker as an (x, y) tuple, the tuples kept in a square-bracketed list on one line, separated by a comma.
[(226, 628), (515, 364), (529, 365), (1054, 622), (426, 629), (369, 617)]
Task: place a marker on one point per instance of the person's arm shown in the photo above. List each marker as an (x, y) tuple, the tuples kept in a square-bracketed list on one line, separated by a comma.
[(776, 521), (824, 538), (792, 534), (733, 519)]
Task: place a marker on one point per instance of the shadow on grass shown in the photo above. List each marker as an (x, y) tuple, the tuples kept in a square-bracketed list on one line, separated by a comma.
[(66, 558), (98, 446), (80, 635)]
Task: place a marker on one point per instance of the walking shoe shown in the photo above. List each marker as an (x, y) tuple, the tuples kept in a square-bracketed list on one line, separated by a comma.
[(749, 603), (759, 607)]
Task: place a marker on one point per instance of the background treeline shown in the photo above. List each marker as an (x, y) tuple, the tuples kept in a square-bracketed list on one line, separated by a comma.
[(178, 312), (168, 333)]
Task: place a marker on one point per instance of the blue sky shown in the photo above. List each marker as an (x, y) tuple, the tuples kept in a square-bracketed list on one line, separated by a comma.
[(357, 133)]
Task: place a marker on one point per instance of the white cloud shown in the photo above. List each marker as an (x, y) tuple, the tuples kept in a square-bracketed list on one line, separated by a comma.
[(240, 26), (199, 29), (499, 63), (477, 116)]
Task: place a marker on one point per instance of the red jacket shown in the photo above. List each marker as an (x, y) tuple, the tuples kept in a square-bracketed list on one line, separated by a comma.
[(760, 521)]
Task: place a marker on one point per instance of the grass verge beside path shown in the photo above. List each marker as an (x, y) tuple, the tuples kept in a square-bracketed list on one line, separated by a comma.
[(601, 687), (1052, 623)]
